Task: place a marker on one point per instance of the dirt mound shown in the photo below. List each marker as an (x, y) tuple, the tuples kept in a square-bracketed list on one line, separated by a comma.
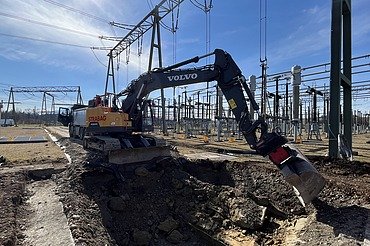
[(351, 178), (11, 197), (171, 201), (177, 201)]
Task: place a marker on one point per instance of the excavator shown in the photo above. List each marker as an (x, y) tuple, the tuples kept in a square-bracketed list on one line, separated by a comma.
[(118, 131)]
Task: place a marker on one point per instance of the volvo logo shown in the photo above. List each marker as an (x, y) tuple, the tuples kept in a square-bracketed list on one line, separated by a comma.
[(182, 77)]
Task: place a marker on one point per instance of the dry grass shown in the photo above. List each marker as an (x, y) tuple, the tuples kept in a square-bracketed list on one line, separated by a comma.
[(29, 153)]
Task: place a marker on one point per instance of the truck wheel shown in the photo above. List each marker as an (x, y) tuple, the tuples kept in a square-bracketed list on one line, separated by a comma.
[(70, 130), (84, 143), (81, 133)]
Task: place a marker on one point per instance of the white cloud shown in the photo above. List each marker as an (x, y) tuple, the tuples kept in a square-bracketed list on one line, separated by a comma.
[(16, 49), (312, 11), (189, 41), (310, 37)]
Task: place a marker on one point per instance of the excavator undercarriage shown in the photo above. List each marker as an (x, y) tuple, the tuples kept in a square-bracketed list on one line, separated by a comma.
[(135, 148)]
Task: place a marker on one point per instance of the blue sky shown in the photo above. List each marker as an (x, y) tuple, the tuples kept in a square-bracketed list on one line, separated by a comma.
[(298, 32)]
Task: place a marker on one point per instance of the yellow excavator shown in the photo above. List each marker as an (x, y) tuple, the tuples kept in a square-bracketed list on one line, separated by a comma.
[(118, 131)]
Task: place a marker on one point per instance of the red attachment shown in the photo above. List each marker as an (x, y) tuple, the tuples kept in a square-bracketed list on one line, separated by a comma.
[(279, 155)]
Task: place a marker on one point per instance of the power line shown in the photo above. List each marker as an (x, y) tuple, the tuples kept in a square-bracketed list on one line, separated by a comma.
[(96, 57), (77, 11), (198, 5), (150, 4), (48, 25), (84, 14), (111, 23), (44, 41)]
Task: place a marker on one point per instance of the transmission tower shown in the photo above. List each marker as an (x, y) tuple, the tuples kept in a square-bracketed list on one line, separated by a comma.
[(151, 21), (46, 90)]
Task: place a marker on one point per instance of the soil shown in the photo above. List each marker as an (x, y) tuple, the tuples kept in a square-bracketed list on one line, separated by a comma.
[(188, 202), (19, 154)]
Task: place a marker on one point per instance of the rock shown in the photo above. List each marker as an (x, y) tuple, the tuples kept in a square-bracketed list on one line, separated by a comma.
[(193, 219), (248, 217), (142, 237), (177, 184), (141, 172), (75, 217), (80, 240), (186, 192), (73, 226), (175, 237), (41, 174), (168, 225), (116, 204), (125, 197), (169, 202), (206, 223), (271, 208)]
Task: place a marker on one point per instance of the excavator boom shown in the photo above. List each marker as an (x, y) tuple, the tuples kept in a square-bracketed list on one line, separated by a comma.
[(295, 167), (117, 132)]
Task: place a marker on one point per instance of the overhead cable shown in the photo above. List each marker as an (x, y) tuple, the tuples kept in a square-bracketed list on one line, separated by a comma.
[(48, 25), (83, 13), (96, 57), (150, 4), (44, 41), (198, 5), (77, 11)]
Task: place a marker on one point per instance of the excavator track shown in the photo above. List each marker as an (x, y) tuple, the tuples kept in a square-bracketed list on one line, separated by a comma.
[(139, 155), (131, 149)]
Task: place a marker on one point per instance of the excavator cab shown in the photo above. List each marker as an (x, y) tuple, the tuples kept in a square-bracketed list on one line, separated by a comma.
[(147, 116)]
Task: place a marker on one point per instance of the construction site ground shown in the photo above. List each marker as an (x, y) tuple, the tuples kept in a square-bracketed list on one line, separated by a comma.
[(216, 193)]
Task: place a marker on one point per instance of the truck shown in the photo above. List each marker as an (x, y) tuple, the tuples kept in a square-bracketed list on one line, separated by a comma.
[(7, 122), (119, 130)]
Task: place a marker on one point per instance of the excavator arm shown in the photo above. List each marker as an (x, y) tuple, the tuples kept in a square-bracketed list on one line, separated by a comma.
[(297, 170)]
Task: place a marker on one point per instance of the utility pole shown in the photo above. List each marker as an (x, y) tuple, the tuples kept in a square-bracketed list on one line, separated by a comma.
[(341, 48), (263, 55)]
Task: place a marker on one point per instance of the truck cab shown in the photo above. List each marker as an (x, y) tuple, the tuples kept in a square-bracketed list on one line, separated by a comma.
[(64, 116)]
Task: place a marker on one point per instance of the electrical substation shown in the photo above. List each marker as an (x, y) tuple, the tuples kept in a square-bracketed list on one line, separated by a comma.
[(196, 151)]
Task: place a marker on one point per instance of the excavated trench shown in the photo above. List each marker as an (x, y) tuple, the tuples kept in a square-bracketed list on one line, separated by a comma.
[(183, 202), (177, 201), (30, 211), (173, 201)]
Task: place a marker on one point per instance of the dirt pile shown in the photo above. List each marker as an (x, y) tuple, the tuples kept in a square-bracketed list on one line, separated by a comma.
[(11, 198), (177, 201), (171, 201), (347, 181)]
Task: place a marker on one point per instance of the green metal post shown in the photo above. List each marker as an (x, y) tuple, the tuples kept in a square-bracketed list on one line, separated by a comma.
[(340, 42)]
